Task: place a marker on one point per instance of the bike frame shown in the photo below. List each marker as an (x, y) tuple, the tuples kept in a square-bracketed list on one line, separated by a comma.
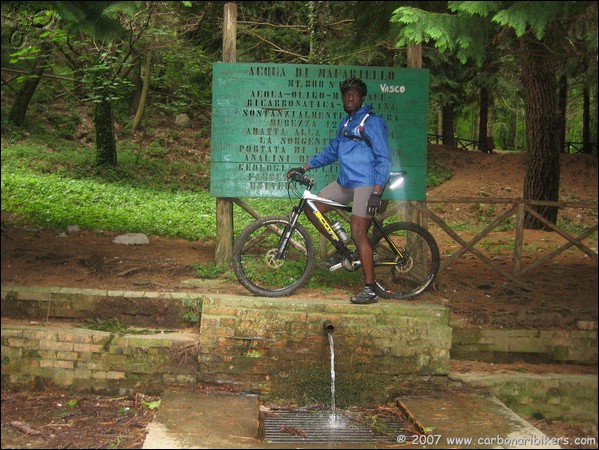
[(311, 200)]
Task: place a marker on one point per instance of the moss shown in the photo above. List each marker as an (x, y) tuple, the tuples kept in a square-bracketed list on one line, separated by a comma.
[(312, 385)]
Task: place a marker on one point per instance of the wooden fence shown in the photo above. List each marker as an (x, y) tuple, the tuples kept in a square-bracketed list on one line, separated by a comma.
[(472, 144), (516, 207)]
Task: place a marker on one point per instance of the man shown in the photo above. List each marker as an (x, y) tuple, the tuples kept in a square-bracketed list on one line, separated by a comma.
[(362, 149)]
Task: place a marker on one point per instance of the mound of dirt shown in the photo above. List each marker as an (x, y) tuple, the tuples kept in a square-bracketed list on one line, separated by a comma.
[(501, 174)]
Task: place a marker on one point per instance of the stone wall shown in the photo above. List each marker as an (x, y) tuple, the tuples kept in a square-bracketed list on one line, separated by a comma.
[(134, 308), (568, 397), (274, 347), (279, 349), (502, 346), (40, 356)]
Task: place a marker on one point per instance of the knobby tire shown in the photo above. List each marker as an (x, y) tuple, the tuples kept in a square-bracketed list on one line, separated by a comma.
[(406, 278), (254, 263)]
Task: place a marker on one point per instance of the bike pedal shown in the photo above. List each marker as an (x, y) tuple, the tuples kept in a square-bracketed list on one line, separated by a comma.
[(336, 266)]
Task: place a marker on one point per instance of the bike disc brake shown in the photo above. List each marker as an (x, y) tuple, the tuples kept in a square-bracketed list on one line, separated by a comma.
[(405, 265), (272, 261)]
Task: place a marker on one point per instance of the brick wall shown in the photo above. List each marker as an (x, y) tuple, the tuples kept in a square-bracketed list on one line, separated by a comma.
[(35, 356), (492, 345), (278, 348)]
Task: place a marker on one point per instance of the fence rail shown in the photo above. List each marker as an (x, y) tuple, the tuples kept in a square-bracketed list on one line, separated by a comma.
[(518, 208), (472, 144)]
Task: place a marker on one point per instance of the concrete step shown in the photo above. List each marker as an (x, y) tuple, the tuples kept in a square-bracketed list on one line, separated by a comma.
[(209, 419)]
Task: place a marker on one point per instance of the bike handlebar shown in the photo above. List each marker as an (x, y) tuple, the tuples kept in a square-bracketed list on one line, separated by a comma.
[(302, 179), (309, 182)]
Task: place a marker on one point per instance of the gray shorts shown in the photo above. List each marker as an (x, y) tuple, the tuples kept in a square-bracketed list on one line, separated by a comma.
[(359, 196)]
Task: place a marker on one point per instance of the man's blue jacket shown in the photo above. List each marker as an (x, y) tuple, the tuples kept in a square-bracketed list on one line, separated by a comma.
[(364, 157)]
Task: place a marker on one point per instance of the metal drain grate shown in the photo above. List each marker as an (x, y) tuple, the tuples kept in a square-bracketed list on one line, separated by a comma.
[(292, 426)]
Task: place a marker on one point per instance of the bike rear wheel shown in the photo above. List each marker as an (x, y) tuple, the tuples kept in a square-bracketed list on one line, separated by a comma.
[(254, 260), (408, 273)]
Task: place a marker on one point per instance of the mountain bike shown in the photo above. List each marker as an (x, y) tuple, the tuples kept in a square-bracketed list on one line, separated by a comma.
[(274, 256)]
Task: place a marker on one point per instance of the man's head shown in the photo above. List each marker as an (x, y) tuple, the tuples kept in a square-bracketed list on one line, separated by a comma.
[(353, 91), (353, 83)]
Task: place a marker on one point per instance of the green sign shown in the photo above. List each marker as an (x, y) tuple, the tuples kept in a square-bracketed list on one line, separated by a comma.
[(268, 118)]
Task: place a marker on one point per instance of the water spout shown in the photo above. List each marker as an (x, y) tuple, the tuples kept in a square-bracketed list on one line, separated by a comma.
[(328, 329)]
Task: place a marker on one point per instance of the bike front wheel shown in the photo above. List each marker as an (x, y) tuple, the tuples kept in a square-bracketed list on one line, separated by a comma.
[(406, 260), (255, 262)]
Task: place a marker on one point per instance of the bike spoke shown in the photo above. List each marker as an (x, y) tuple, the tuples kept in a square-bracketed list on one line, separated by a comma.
[(255, 262)]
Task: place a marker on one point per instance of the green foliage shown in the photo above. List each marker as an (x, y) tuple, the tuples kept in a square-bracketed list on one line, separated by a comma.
[(536, 16), (151, 405), (463, 34), (103, 83), (27, 53), (209, 271), (99, 20), (576, 228), (53, 183), (184, 78), (284, 34), (437, 173), (111, 325), (55, 202), (193, 310)]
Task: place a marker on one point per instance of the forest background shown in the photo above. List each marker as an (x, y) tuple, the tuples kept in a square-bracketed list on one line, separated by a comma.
[(509, 75), (512, 76)]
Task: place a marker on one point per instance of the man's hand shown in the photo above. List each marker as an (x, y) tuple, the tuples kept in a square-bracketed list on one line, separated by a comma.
[(296, 171), (374, 203)]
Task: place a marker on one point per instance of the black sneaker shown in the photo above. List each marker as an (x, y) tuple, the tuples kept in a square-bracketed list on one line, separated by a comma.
[(365, 297), (332, 260)]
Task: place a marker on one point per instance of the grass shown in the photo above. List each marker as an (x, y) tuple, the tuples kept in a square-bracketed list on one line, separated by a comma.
[(54, 189), (51, 182)]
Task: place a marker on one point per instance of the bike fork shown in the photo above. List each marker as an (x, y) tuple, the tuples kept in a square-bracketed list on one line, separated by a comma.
[(286, 236)]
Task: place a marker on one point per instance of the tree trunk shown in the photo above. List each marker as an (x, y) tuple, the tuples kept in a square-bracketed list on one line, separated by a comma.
[(483, 144), (144, 93), (541, 181), (512, 135), (138, 85), (25, 94), (586, 120), (105, 140), (562, 102), (448, 137)]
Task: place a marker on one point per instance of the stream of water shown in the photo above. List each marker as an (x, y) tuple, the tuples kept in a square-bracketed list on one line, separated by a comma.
[(333, 421)]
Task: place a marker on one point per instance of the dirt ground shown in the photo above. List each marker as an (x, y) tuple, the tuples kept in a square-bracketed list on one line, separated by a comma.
[(62, 420), (562, 293)]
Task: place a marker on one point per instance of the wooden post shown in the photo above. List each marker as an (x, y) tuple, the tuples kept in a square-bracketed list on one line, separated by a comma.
[(230, 33), (415, 56), (415, 62), (224, 206)]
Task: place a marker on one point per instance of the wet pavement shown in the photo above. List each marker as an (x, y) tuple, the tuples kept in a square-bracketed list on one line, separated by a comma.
[(204, 419), (207, 419)]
